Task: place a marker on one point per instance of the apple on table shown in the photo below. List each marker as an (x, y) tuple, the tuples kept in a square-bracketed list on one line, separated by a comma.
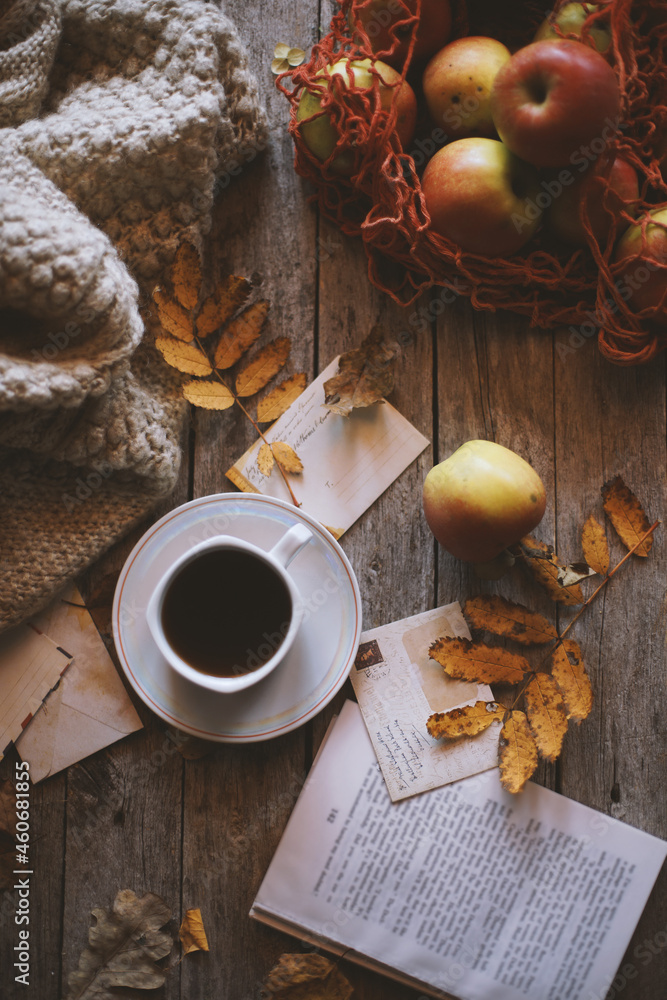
[(555, 99), (481, 500), (457, 85), (317, 127), (387, 25), (481, 196)]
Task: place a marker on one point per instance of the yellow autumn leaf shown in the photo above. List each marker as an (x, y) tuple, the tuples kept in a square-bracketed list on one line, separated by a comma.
[(569, 672), (276, 402), (496, 614), (263, 367), (174, 318), (240, 335), (475, 661), (221, 305), (265, 459), (546, 715), (208, 395), (544, 565), (627, 515), (186, 275), (187, 358), (286, 457), (517, 753), (466, 721), (192, 933), (594, 545)]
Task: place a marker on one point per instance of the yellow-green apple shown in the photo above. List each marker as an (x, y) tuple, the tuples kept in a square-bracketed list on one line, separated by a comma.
[(320, 133), (482, 499), (605, 194), (555, 100), (457, 85), (481, 196), (570, 20), (643, 282), (387, 25)]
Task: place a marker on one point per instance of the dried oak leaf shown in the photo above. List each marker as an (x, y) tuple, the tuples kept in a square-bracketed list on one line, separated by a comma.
[(276, 402), (365, 375), (221, 305), (240, 335), (186, 358), (185, 275), (544, 565), (495, 614), (627, 515), (192, 933), (475, 661), (124, 946), (547, 717), (263, 367), (466, 721), (174, 318), (7, 833), (209, 395), (569, 672), (517, 753), (594, 545), (306, 977)]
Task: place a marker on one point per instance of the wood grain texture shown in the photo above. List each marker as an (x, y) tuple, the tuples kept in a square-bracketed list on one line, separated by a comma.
[(201, 833)]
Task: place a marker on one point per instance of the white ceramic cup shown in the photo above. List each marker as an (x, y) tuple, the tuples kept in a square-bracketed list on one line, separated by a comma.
[(278, 559)]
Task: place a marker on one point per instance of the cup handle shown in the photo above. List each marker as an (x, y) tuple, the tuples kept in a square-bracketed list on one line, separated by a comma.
[(291, 544)]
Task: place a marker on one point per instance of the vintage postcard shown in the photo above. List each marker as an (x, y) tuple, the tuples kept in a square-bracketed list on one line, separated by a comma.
[(348, 461), (398, 686)]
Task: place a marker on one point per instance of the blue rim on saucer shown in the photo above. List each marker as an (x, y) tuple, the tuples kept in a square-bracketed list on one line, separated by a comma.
[(318, 663)]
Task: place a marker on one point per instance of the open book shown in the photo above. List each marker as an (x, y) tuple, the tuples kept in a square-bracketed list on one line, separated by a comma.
[(464, 890)]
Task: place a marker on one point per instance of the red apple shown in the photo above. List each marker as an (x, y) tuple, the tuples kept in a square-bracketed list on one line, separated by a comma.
[(320, 133), (570, 20), (384, 21), (605, 194), (482, 499), (555, 100), (457, 85), (481, 196), (643, 283)]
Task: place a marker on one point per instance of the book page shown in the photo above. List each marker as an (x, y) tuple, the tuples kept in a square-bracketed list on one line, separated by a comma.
[(465, 889), (398, 686), (348, 462)]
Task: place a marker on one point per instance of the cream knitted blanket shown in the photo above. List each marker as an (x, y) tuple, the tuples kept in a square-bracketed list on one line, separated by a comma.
[(116, 117)]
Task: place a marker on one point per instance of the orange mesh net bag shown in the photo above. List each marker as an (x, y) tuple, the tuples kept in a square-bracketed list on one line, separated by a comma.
[(378, 195)]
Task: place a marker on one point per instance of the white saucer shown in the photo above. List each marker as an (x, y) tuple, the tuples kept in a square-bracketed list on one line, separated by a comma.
[(317, 664)]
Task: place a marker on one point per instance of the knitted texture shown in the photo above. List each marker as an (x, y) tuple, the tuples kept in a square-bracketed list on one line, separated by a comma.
[(142, 105)]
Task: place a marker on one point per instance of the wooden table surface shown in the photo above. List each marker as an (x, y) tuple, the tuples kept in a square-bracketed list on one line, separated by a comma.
[(202, 832)]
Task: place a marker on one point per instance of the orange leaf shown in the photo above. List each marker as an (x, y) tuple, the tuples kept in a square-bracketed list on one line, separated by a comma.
[(208, 395), (276, 402), (241, 334), (546, 714), (263, 367), (475, 661), (227, 297), (495, 614), (192, 933), (517, 753), (569, 672), (186, 275), (544, 565), (187, 358), (306, 977), (466, 721), (594, 545), (627, 515), (286, 457), (173, 317)]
